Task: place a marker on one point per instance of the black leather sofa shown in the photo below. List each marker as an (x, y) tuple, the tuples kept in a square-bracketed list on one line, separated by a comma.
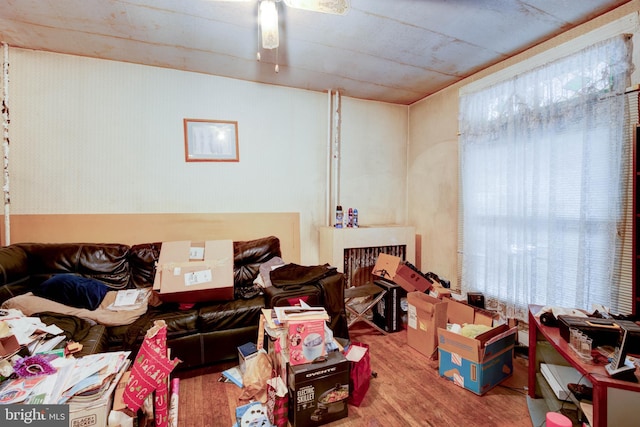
[(206, 333)]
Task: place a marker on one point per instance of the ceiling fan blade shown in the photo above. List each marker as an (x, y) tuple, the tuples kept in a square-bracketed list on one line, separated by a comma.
[(336, 7)]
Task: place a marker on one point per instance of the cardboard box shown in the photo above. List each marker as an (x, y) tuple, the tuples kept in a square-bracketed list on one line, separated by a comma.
[(95, 413), (118, 399), (438, 291), (246, 352), (393, 268), (305, 341), (477, 364), (476, 377), (318, 392), (426, 314), (8, 345), (191, 272)]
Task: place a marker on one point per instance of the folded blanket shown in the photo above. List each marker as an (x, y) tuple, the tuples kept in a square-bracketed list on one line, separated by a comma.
[(30, 304)]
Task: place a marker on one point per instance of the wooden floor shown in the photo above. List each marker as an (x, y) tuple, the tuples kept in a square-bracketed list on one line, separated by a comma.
[(407, 391)]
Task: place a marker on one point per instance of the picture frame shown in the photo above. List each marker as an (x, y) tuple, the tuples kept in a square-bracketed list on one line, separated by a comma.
[(211, 140)]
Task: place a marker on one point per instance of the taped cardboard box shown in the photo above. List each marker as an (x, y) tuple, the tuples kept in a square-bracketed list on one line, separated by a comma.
[(190, 272), (425, 315), (393, 268), (477, 364)]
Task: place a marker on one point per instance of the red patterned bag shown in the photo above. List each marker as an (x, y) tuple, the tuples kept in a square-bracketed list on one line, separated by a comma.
[(359, 375), (151, 367), (277, 401)]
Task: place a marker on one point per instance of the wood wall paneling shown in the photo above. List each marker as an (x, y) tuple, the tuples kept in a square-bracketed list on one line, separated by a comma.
[(143, 228)]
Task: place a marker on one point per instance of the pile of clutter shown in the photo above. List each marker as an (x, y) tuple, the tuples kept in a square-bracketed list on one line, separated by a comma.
[(297, 372)]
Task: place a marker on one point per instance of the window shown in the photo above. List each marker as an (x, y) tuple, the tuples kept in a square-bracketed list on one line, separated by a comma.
[(542, 194)]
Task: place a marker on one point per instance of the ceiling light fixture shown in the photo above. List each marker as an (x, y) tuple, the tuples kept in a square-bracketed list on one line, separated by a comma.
[(268, 33), (269, 24), (268, 21)]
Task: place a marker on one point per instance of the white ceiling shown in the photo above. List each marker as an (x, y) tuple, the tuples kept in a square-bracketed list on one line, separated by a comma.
[(396, 51)]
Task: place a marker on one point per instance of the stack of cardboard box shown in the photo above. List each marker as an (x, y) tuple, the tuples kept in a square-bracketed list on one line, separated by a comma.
[(317, 380), (477, 364)]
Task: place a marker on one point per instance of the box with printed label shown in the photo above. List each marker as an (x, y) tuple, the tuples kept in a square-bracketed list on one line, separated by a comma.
[(246, 352), (318, 392), (305, 341), (190, 272), (425, 315), (476, 363)]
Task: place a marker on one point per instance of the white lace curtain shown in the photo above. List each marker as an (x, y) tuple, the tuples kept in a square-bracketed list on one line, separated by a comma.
[(541, 157)]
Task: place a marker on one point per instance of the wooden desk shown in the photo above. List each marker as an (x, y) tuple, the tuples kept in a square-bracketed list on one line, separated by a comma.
[(615, 402)]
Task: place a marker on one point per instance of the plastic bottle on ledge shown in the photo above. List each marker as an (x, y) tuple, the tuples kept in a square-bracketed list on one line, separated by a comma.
[(350, 218), (339, 217), (355, 218)]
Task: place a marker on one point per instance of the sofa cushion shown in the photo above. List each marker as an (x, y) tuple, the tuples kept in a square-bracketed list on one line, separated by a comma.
[(230, 315), (179, 323), (72, 290), (248, 256), (107, 262), (14, 272), (142, 260)]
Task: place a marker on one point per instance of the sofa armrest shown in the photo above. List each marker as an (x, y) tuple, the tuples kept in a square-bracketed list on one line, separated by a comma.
[(14, 272)]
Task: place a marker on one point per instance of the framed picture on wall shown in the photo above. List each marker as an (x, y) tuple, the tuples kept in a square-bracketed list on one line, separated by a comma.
[(210, 141)]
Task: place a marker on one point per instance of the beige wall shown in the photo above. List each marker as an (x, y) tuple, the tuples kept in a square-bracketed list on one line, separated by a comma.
[(92, 136), (433, 181), (433, 136)]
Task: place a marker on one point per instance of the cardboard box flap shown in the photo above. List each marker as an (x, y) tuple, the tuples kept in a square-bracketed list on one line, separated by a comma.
[(426, 315), (467, 348), (9, 345), (424, 302), (497, 341), (482, 318), (386, 266), (489, 336), (411, 280), (460, 313), (500, 342)]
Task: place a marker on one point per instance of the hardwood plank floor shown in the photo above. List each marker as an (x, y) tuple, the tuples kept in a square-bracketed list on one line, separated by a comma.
[(407, 391)]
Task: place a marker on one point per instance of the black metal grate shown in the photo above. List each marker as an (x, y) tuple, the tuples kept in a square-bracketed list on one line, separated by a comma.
[(359, 262)]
